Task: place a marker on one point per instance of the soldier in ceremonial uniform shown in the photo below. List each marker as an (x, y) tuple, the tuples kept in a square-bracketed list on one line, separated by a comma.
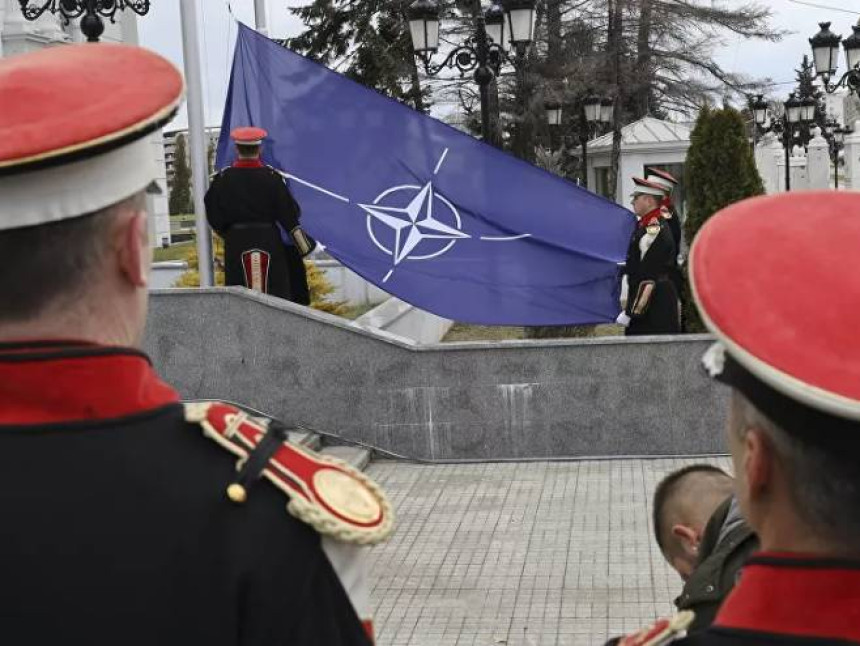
[(787, 347), (126, 517), (250, 206), (668, 182), (652, 299)]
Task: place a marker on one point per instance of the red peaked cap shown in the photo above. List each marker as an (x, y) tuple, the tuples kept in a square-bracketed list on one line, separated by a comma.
[(248, 135), (53, 113), (661, 173), (772, 278)]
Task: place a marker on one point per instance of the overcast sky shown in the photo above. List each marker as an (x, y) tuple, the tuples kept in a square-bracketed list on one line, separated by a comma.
[(160, 30)]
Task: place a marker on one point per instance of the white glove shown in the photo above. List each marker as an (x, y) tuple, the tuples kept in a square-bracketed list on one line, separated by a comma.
[(623, 319)]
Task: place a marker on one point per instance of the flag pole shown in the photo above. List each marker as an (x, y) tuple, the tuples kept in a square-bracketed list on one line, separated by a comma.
[(260, 18), (196, 137)]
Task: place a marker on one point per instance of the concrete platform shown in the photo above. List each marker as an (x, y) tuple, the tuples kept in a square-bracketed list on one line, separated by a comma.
[(520, 554)]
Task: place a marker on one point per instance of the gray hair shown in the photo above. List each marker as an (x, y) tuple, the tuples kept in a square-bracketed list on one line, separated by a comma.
[(825, 486), (51, 265)]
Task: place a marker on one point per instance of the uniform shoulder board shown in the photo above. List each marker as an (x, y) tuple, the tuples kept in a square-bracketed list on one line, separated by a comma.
[(327, 493), (663, 631)]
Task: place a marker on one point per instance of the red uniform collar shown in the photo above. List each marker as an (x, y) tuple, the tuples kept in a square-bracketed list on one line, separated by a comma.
[(652, 216), (248, 163), (792, 595), (667, 202), (49, 382)]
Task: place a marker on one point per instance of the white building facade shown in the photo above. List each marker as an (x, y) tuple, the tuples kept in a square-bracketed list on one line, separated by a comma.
[(19, 36), (648, 142)]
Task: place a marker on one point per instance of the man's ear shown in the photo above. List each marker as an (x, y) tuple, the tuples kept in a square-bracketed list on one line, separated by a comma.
[(688, 538), (758, 463), (134, 253)]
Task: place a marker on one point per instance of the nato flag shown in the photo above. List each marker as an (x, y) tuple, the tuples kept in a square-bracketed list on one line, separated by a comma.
[(428, 213)]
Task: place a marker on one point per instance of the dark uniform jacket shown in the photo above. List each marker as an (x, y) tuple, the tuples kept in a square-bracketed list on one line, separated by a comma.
[(783, 600), (791, 601), (115, 528), (656, 264), (726, 545), (251, 207)]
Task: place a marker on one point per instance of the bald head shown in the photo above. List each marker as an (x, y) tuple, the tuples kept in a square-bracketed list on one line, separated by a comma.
[(683, 504)]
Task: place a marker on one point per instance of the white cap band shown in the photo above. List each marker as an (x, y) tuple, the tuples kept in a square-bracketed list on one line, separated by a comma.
[(647, 190), (76, 188)]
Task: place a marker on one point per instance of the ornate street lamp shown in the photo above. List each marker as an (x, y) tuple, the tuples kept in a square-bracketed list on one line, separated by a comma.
[(424, 26), (496, 25), (825, 54), (484, 51), (593, 111), (759, 110), (607, 109), (793, 110), (553, 113), (92, 25), (807, 109), (521, 21)]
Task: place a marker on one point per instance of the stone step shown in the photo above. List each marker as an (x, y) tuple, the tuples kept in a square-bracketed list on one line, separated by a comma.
[(354, 455), (306, 439)]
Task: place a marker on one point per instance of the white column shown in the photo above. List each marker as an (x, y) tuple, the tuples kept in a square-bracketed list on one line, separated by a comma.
[(818, 162), (799, 177), (260, 17), (196, 136), (768, 153), (852, 159)]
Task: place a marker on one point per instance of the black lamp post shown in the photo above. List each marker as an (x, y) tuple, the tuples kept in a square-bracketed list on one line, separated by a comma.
[(837, 143), (758, 106), (825, 54), (795, 109), (92, 25), (484, 52), (593, 112)]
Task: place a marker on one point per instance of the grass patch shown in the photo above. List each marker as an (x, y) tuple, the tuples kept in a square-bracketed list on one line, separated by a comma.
[(466, 332), (173, 252), (354, 311)]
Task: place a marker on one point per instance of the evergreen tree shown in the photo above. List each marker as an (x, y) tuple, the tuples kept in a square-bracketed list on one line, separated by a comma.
[(180, 192), (720, 170), (805, 88), (367, 40)]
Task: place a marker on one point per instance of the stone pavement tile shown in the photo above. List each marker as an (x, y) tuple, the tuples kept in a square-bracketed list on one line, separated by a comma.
[(520, 554)]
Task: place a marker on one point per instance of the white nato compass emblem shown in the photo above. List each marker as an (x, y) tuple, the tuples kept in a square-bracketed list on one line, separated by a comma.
[(411, 222)]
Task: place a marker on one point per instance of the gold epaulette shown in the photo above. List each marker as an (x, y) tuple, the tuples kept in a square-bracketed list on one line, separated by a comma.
[(663, 631), (327, 493)]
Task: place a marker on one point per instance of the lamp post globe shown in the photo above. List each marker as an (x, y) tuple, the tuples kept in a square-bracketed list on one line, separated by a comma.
[(807, 109), (423, 16), (759, 110), (825, 50), (496, 25), (591, 106), (792, 109), (521, 21), (607, 107), (852, 48), (553, 112)]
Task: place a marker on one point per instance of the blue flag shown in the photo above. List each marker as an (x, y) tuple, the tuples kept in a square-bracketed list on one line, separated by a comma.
[(429, 214)]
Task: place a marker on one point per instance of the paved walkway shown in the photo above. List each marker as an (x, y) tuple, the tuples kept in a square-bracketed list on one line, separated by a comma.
[(520, 554)]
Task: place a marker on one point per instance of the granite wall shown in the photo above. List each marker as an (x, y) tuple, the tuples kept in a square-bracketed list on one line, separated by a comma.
[(514, 399)]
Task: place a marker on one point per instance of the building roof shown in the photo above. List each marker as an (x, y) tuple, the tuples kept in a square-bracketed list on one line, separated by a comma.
[(646, 133)]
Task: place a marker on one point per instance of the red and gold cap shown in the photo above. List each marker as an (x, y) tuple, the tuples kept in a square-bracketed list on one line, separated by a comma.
[(660, 177), (645, 187), (773, 280), (249, 135), (74, 126)]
